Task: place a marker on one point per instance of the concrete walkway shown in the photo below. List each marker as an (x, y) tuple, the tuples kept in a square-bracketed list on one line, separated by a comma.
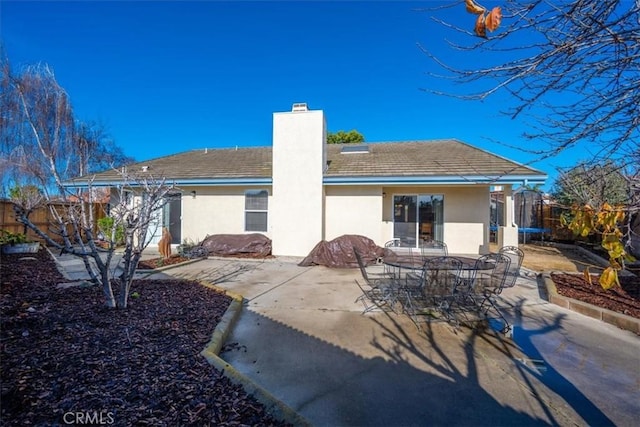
[(302, 337)]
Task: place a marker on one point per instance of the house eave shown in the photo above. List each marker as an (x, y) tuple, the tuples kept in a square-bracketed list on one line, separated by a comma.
[(436, 180), (338, 180), (177, 182)]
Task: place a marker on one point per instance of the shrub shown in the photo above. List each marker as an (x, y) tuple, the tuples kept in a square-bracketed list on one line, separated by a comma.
[(105, 225), (9, 238)]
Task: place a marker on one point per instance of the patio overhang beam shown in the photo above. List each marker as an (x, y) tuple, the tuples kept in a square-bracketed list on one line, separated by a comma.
[(436, 180)]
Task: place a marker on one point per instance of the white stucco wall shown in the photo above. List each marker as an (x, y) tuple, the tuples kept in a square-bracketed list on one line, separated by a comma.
[(354, 210), (467, 219), (215, 210), (297, 205), (348, 210)]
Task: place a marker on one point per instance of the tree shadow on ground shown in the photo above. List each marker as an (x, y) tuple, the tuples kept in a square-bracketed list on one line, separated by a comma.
[(537, 366), (524, 364), (432, 382)]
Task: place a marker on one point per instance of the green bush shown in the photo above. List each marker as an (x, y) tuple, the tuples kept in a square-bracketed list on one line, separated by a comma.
[(105, 225), (9, 238)]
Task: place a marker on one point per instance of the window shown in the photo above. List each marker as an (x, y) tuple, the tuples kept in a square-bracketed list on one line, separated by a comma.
[(255, 210)]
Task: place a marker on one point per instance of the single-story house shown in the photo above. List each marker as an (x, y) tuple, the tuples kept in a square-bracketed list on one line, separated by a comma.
[(302, 190)]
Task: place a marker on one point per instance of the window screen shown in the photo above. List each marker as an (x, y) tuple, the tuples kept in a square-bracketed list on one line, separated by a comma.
[(255, 210)]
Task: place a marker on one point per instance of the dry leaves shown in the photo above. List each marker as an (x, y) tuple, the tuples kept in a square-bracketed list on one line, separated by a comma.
[(473, 7), (480, 28), (493, 19), (485, 21)]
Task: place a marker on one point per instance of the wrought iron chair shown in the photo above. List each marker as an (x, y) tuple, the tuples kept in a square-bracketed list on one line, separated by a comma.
[(389, 270), (465, 301), (393, 243), (430, 247), (516, 256), (433, 290), (488, 287), (378, 290)]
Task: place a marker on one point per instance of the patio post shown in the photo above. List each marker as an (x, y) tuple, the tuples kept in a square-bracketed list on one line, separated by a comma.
[(508, 234)]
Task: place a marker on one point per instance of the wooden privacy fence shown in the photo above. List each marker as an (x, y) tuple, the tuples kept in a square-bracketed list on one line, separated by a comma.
[(551, 221), (41, 217)]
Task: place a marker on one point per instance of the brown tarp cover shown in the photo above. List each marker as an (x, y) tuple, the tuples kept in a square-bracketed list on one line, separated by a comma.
[(253, 245), (338, 253)]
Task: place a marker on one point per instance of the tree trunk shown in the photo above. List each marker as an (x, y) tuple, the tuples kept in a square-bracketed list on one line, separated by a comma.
[(110, 300)]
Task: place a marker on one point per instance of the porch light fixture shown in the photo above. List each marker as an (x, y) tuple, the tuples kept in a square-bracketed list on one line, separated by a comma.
[(193, 194)]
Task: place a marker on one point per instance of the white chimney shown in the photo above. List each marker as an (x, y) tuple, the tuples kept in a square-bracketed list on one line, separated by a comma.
[(297, 203), (299, 106)]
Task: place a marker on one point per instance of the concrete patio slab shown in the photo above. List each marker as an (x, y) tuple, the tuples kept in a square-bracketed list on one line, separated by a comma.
[(302, 337)]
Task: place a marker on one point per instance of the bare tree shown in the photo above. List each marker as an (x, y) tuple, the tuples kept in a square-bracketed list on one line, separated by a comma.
[(43, 144), (26, 199), (570, 69), (133, 206), (97, 151), (593, 185)]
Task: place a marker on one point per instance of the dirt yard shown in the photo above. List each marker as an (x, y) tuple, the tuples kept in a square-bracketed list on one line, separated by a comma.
[(551, 258)]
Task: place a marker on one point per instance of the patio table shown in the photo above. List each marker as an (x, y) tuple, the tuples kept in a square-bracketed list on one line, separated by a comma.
[(409, 288), (417, 263)]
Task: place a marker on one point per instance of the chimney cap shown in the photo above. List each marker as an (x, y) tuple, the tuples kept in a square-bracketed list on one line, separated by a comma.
[(300, 106)]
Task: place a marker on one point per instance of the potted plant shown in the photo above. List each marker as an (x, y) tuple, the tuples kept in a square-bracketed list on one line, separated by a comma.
[(17, 243)]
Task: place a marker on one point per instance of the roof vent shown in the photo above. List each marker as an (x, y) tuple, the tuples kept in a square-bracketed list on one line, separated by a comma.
[(300, 106), (354, 149)]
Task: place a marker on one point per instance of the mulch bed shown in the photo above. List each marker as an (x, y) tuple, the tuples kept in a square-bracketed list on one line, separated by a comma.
[(63, 352), (624, 299), (151, 264)]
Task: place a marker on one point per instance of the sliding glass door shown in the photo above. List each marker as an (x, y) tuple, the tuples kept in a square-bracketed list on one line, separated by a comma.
[(418, 217)]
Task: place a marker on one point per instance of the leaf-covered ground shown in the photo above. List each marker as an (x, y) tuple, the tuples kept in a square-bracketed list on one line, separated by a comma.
[(63, 353)]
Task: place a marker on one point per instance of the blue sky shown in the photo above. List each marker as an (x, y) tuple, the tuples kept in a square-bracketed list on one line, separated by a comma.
[(171, 76)]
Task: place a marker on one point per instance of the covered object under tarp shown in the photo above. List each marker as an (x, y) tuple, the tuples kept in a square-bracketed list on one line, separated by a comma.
[(338, 253), (253, 245)]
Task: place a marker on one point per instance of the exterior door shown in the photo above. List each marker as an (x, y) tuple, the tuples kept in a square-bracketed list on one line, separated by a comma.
[(430, 217), (169, 216), (405, 219), (418, 217)]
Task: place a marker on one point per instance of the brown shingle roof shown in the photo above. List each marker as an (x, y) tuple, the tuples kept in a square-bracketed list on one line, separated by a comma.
[(205, 163), (422, 158), (438, 158)]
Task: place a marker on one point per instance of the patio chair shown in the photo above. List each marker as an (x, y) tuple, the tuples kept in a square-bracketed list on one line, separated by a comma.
[(464, 302), (378, 291), (516, 256), (433, 290), (430, 247), (489, 286), (394, 243)]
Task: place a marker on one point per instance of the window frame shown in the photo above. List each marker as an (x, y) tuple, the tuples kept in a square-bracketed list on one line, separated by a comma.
[(250, 210)]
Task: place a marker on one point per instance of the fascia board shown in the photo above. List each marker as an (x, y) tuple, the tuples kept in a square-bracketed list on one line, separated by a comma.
[(436, 180), (178, 182)]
